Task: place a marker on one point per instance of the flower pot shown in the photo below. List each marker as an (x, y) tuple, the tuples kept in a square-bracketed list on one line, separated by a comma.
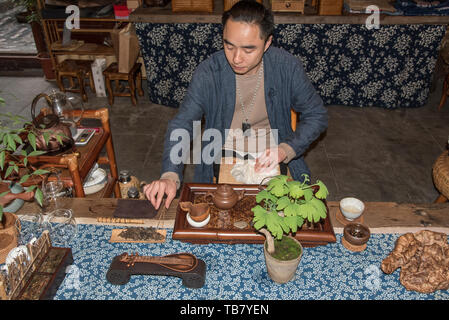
[(8, 235), (281, 271), (13, 201)]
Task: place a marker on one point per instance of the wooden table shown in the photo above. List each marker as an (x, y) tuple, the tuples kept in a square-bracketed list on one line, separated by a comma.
[(380, 217)]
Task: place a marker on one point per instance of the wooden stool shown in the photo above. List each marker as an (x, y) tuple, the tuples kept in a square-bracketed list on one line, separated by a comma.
[(440, 173), (133, 77), (79, 69)]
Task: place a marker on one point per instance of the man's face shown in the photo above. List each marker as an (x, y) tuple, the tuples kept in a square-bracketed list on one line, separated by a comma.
[(243, 46)]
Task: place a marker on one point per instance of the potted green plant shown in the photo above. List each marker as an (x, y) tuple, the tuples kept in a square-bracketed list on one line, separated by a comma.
[(283, 208), (14, 130)]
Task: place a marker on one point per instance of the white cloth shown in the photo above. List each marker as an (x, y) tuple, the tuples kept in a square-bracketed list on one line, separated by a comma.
[(244, 172)]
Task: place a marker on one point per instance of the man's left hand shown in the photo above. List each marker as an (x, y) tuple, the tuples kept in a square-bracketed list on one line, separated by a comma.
[(269, 159)]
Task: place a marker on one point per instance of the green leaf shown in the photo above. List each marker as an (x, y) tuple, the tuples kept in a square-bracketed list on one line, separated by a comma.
[(4, 193), (17, 139), (322, 192), (264, 195), (8, 171), (278, 185), (308, 194), (46, 136), (295, 189), (260, 217), (39, 196), (11, 142), (30, 188), (36, 153), (32, 140), (291, 222), (2, 159), (273, 225), (292, 209), (305, 210), (282, 203), (320, 208), (40, 171), (24, 178)]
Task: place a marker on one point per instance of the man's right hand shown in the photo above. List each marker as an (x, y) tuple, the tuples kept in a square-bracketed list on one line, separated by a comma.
[(156, 190)]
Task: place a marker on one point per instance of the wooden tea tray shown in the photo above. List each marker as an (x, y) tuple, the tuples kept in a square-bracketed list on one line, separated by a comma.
[(221, 229)]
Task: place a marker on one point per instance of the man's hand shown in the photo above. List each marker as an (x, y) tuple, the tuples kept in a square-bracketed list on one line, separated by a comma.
[(156, 190), (268, 160)]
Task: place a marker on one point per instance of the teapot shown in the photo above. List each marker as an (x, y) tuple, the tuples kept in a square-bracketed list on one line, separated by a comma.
[(225, 197), (51, 123)]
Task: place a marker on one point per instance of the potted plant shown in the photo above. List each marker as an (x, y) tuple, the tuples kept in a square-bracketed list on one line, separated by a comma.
[(14, 130), (283, 208)]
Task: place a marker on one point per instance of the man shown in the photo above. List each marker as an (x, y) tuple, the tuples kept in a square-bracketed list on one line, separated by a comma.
[(248, 85)]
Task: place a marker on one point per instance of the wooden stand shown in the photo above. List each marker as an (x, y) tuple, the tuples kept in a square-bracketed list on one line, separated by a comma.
[(352, 247), (222, 225), (182, 265), (39, 277)]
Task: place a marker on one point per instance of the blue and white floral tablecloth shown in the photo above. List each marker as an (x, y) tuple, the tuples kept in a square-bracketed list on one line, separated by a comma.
[(348, 64), (236, 272)]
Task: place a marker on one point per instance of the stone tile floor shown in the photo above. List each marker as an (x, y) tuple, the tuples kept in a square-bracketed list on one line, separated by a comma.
[(371, 153), (14, 37)]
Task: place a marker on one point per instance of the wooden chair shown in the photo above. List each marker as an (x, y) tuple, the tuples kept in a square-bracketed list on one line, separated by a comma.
[(75, 69), (133, 78)]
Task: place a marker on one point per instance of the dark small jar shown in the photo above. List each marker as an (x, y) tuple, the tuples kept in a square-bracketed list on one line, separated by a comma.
[(124, 176), (133, 193)]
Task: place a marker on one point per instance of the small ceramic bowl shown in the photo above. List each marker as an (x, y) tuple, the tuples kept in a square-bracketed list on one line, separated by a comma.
[(195, 224), (356, 234), (351, 208)]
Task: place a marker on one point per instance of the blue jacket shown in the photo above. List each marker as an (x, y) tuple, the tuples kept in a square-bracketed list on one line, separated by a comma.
[(211, 94)]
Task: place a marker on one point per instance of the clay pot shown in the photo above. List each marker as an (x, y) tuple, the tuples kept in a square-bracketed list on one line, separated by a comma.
[(198, 212), (225, 197), (356, 234), (281, 271), (8, 235)]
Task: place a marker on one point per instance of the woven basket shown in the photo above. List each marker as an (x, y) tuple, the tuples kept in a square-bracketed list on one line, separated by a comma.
[(192, 5), (330, 7), (441, 174), (229, 3)]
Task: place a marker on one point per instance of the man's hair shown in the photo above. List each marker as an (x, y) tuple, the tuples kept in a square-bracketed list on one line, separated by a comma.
[(250, 11)]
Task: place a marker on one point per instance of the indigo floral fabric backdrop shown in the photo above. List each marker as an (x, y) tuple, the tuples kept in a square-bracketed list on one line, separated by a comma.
[(348, 64)]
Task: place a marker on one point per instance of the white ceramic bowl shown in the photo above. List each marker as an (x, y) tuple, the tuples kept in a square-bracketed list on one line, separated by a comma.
[(351, 208), (195, 224)]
